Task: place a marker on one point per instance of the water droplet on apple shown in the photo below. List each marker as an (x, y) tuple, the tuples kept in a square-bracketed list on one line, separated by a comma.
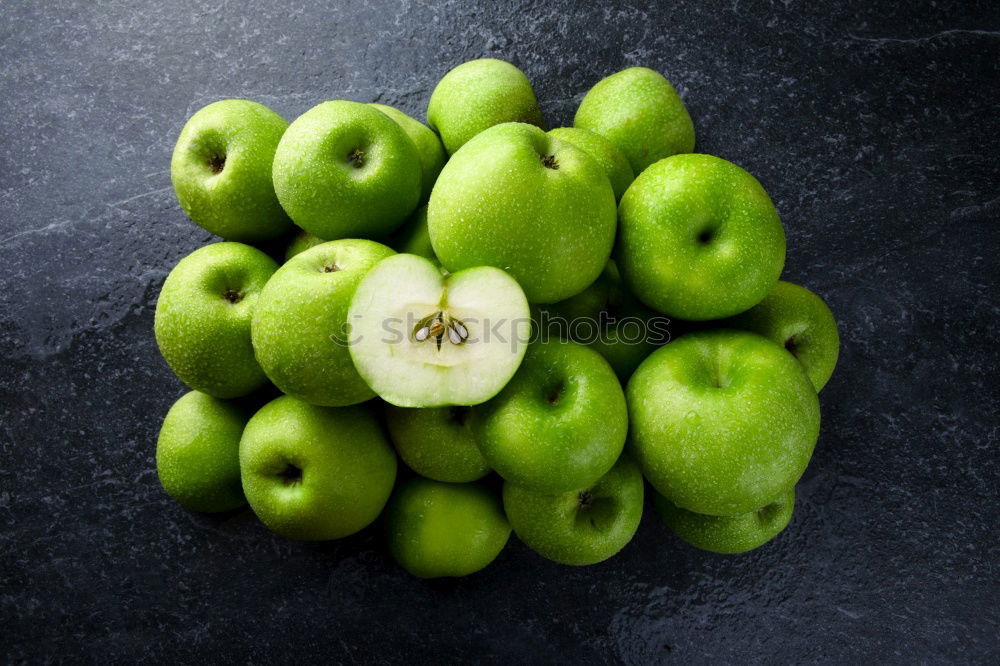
[(691, 417)]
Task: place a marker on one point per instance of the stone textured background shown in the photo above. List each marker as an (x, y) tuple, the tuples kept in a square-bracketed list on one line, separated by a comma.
[(873, 125)]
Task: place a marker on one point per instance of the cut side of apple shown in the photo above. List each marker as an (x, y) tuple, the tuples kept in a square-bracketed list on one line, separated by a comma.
[(421, 338)]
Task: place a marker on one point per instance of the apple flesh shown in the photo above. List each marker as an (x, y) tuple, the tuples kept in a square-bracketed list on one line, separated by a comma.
[(531, 204), (799, 320), (437, 442), (728, 534), (699, 238), (582, 526), (639, 112), (559, 424), (315, 473), (299, 327), (346, 170), (439, 529), (423, 339), (202, 322), (477, 95), (221, 170), (722, 421), (198, 453)]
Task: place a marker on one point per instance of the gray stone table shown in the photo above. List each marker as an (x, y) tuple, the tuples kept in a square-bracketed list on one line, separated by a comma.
[(874, 126)]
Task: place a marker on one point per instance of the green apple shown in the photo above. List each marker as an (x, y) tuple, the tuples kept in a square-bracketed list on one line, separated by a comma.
[(534, 205), (202, 322), (302, 241), (477, 95), (606, 317), (437, 442), (413, 237), (605, 153), (699, 238), (800, 321), (315, 473), (221, 170), (439, 529), (429, 148), (346, 170), (728, 534), (722, 421), (198, 453), (641, 113), (581, 526), (423, 339), (559, 424), (299, 326)]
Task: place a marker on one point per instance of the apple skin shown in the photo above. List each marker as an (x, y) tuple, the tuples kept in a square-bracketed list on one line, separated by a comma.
[(300, 322), (315, 473), (439, 529), (699, 238), (579, 527), (429, 148), (302, 241), (639, 111), (477, 95), (202, 321), (728, 534), (437, 442), (346, 170), (221, 170), (722, 421), (612, 160), (607, 318), (198, 453), (559, 424), (413, 237), (496, 203), (799, 320)]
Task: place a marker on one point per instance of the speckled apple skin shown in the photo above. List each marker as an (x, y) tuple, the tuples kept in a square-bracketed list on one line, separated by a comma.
[(198, 453), (559, 424), (205, 338), (439, 529), (728, 534), (302, 241), (300, 322), (238, 203), (436, 442), (557, 527), (612, 160), (800, 321), (477, 95), (641, 113), (323, 191), (618, 342), (413, 237), (429, 148), (348, 468), (722, 421), (497, 204), (699, 238)]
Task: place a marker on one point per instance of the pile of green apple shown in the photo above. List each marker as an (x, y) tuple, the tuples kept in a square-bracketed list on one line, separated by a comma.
[(405, 322)]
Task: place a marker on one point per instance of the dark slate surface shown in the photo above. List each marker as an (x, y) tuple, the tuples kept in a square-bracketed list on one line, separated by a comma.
[(875, 130)]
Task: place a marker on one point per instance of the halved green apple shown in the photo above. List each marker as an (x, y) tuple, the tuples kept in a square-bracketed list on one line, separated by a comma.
[(421, 338)]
